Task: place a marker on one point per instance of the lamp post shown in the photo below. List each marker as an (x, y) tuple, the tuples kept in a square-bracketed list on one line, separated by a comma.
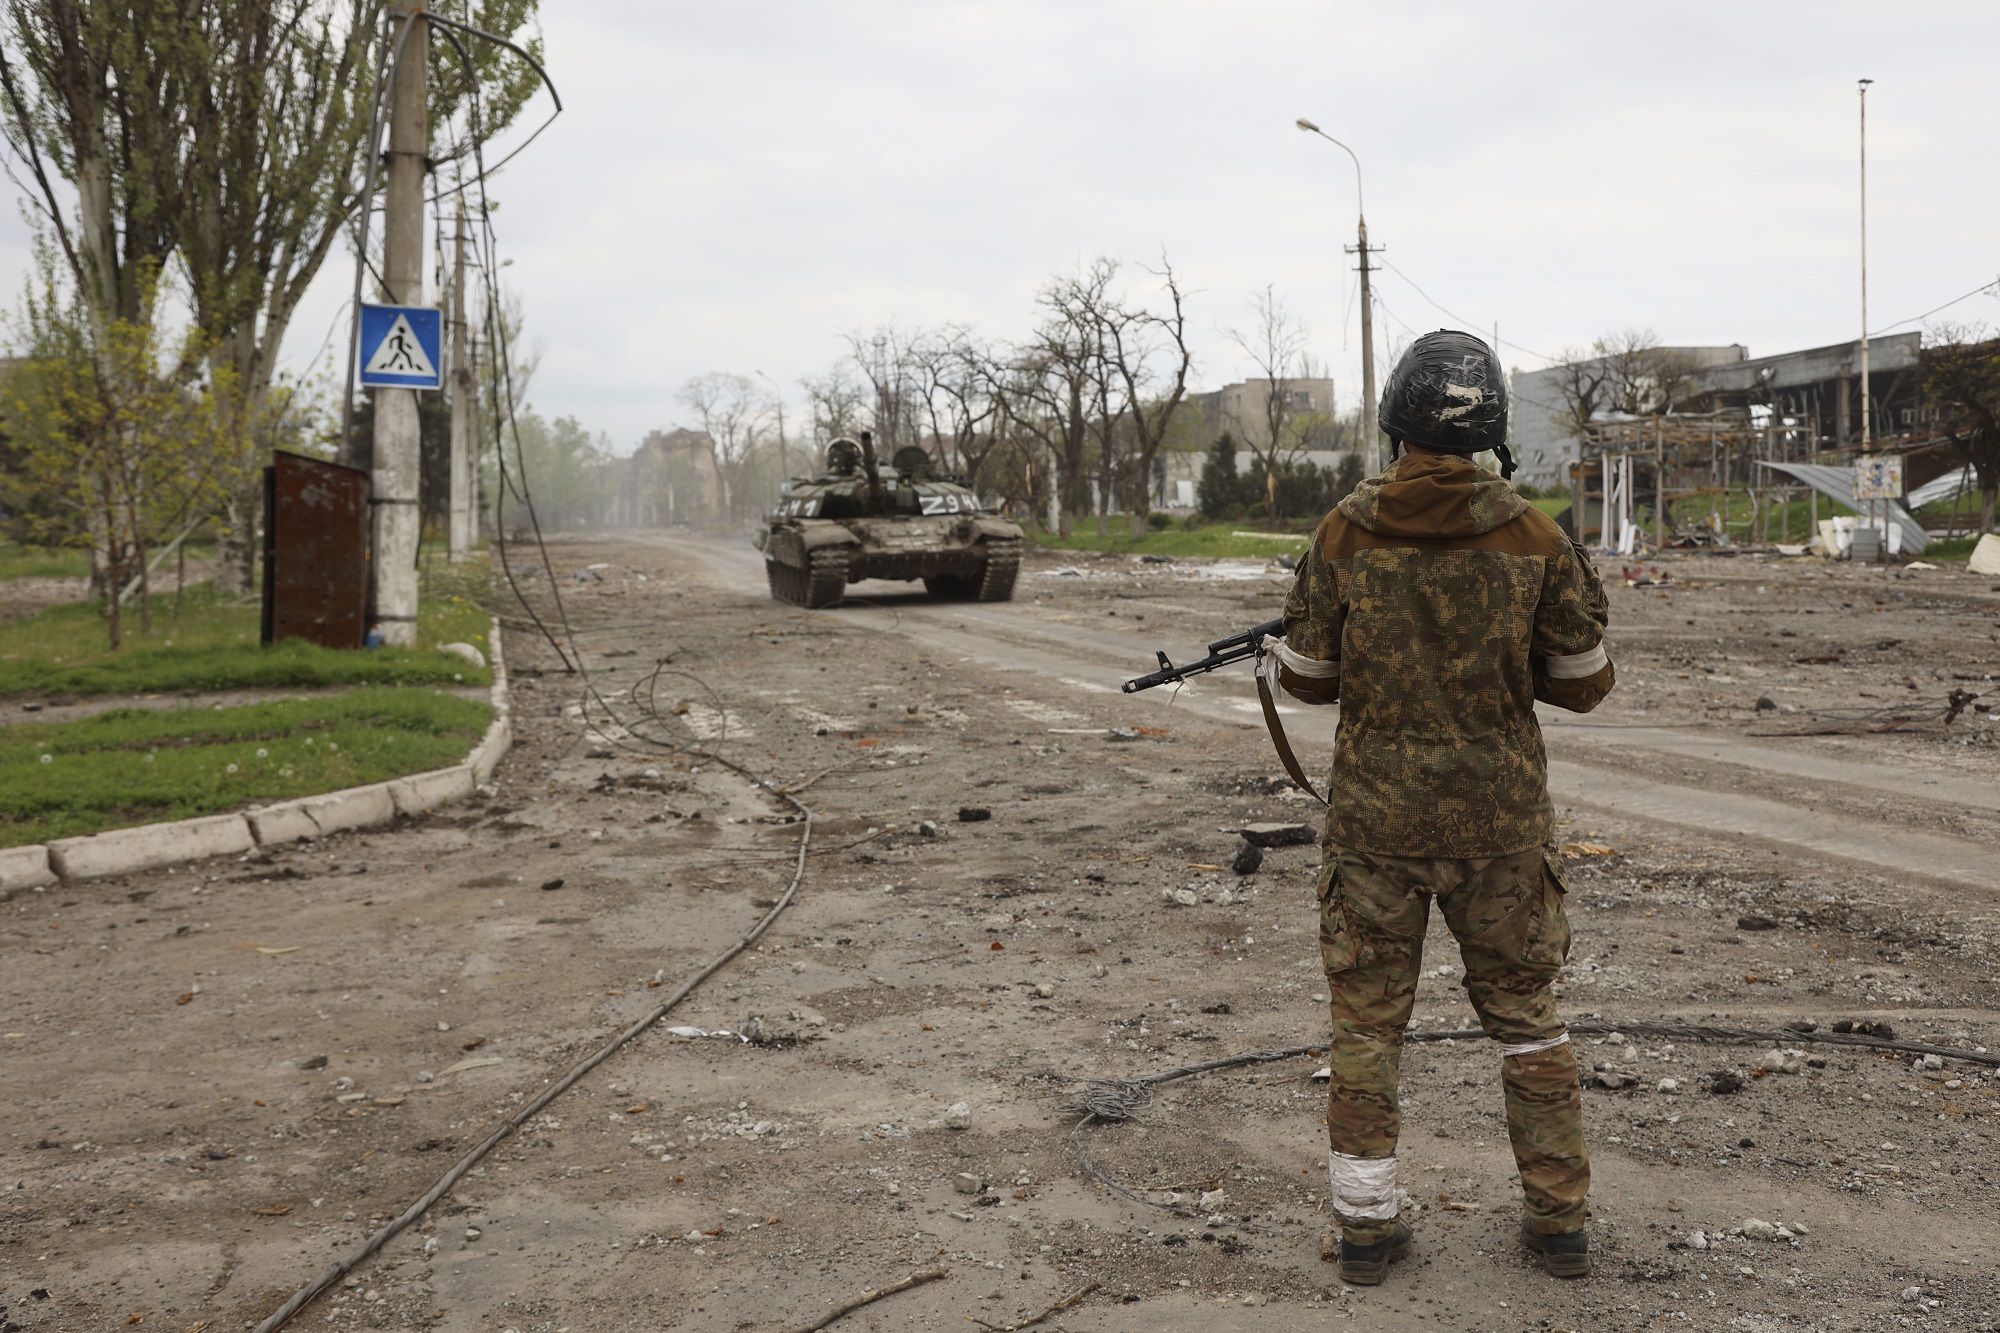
[(1371, 434), (1867, 425)]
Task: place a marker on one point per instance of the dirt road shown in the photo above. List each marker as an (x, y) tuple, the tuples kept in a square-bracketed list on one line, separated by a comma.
[(221, 1076)]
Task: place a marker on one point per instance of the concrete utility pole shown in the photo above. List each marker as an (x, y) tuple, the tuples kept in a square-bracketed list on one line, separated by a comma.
[(1867, 431), (1371, 430), (778, 398), (397, 515), (460, 534)]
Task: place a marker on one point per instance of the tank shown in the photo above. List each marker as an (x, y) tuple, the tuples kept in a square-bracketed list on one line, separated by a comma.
[(860, 520)]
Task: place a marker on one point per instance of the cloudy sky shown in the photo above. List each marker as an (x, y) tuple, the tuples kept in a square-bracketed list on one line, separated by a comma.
[(732, 186)]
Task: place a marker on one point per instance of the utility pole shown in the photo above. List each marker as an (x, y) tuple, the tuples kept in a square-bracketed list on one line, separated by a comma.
[(1867, 440), (1371, 431), (459, 534), (1371, 427), (397, 515), (778, 397)]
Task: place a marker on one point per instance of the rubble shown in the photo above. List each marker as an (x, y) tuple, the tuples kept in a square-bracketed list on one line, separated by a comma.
[(1278, 835)]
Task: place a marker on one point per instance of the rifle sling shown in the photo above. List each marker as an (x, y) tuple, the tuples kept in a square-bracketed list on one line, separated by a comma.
[(1279, 742)]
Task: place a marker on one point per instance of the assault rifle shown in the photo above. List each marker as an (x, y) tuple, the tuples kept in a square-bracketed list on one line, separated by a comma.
[(1249, 645), (1235, 648)]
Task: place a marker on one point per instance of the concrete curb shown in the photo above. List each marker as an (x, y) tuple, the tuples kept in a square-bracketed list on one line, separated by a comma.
[(119, 851)]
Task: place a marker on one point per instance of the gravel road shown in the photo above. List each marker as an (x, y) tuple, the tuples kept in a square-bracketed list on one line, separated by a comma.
[(219, 1077)]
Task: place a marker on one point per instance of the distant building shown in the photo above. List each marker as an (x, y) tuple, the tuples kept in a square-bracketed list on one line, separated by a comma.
[(1542, 444), (1815, 393), (669, 478), (1241, 409)]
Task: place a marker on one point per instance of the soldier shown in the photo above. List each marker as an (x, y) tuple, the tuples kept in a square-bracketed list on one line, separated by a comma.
[(1436, 606)]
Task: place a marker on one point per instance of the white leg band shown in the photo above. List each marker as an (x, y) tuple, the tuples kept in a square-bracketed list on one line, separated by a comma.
[(1530, 1047), (1578, 665), (1364, 1188)]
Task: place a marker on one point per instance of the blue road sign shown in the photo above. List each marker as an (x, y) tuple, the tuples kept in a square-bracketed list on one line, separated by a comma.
[(402, 346)]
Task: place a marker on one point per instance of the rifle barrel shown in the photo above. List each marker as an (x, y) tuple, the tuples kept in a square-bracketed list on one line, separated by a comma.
[(1221, 653)]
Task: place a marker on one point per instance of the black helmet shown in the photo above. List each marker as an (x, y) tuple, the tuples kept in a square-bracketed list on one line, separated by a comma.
[(1448, 394)]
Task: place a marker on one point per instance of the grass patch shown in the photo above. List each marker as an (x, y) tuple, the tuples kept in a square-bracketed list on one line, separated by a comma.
[(1957, 548), (1209, 539), (42, 562), (142, 766), (214, 646)]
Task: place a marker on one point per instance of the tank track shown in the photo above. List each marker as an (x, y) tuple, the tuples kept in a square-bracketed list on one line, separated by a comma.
[(827, 582), (1003, 564)]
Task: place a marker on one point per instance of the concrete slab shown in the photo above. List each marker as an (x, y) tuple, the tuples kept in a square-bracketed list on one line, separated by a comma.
[(427, 791), (25, 868), (356, 807), (287, 822), (122, 850)]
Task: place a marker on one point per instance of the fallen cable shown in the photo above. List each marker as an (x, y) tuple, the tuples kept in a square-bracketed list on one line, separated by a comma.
[(869, 1298), (1115, 1100), (1057, 1308), (349, 1261)]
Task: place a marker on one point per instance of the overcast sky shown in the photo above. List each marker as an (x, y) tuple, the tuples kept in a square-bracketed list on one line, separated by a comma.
[(734, 185)]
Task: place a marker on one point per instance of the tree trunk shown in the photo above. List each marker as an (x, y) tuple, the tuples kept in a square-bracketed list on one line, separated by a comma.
[(235, 550), (1988, 496)]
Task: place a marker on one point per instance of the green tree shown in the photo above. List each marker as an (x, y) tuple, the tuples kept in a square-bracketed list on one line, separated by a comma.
[(111, 430), (1219, 486)]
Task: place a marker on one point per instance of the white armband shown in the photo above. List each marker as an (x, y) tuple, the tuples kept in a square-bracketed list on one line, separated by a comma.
[(1310, 668), (1578, 665)]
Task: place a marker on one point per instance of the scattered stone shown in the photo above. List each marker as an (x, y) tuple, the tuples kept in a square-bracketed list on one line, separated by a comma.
[(1932, 1062), (473, 1233), (1184, 897), (466, 651), (551, 885), (1756, 1228), (1866, 1028), (756, 1032), (1782, 1062), (1615, 1079), (1668, 1085), (1277, 835), (1045, 991), (958, 1116), (1697, 1240), (1766, 704), (425, 1076), (313, 1062), (1725, 1081), (1909, 1294), (967, 1183), (993, 922), (1212, 1200), (1247, 859), (927, 829), (1754, 922), (973, 814)]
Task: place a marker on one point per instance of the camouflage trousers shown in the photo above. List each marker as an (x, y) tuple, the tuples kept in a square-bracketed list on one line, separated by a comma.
[(1507, 914)]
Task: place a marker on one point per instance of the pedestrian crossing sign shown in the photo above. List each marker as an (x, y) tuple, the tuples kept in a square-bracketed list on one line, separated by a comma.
[(402, 346)]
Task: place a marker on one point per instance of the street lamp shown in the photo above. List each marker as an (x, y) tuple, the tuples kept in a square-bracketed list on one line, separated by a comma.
[(1371, 441), (1867, 428)]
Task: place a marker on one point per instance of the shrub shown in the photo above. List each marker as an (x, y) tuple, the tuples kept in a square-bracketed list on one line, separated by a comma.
[(1158, 521), (1255, 510)]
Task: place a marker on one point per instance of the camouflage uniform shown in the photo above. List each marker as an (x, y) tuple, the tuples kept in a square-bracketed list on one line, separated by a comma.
[(1436, 605)]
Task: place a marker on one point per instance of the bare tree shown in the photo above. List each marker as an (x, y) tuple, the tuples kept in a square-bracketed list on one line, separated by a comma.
[(1275, 344), (1962, 382), (837, 401), (959, 394), (1642, 378), (1145, 364), (732, 410)]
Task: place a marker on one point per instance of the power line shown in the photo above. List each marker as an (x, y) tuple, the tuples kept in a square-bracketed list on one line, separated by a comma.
[(1983, 287), (1470, 324)]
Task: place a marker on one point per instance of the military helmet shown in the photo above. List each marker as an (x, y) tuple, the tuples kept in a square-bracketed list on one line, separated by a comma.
[(843, 456), (1447, 393)]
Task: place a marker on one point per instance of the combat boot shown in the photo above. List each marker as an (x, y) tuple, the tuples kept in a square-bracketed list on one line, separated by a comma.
[(1564, 1254), (1367, 1265)]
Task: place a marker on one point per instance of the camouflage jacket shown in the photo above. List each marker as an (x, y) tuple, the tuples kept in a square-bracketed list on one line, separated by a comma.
[(1436, 605)]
